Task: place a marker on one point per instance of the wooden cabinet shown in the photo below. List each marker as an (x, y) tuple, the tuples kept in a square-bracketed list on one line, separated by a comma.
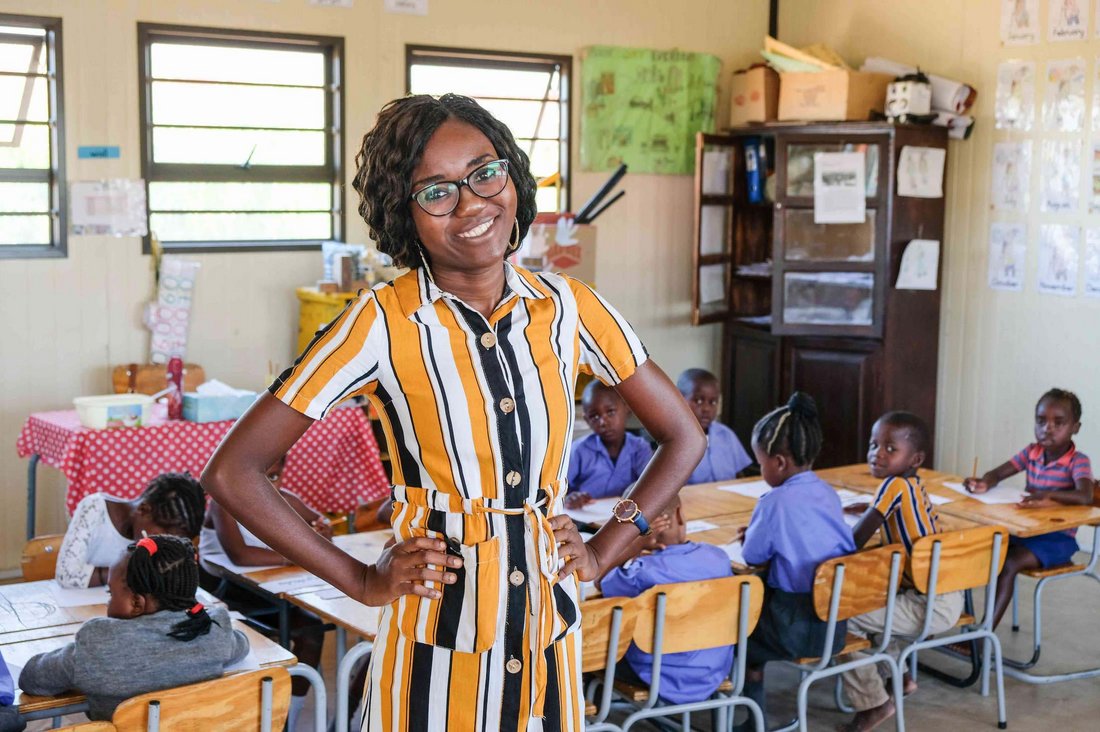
[(809, 306)]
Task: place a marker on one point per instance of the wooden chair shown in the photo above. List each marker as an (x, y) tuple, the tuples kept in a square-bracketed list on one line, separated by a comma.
[(366, 516), (607, 627), (255, 700), (843, 588), (88, 727), (692, 616), (1044, 576), (954, 561), (39, 560)]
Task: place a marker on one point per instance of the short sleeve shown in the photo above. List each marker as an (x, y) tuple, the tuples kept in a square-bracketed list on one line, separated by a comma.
[(758, 547), (1019, 460), (624, 581), (887, 495), (1081, 467), (610, 350), (73, 569), (341, 361)]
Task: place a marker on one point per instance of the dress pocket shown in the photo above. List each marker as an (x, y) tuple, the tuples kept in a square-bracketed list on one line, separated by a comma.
[(465, 618)]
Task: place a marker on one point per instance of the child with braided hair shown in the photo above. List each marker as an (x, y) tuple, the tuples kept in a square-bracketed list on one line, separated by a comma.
[(103, 526), (796, 526), (156, 634)]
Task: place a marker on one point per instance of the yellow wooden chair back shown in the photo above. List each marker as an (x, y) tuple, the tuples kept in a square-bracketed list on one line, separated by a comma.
[(39, 560), (231, 702), (596, 617), (866, 582), (964, 558), (700, 614)]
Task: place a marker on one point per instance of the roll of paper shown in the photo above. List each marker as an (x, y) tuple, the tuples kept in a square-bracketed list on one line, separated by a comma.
[(959, 126), (953, 96)]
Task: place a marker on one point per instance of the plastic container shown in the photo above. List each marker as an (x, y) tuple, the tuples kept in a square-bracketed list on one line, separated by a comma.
[(316, 310), (114, 410)]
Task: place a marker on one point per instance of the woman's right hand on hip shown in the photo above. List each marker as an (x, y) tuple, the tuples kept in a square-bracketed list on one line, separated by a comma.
[(404, 568)]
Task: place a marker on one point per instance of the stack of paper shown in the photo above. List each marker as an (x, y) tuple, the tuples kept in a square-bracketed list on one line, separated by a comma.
[(1002, 494), (694, 527)]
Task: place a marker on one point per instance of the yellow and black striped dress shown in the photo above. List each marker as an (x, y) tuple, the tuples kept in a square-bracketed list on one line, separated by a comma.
[(478, 416)]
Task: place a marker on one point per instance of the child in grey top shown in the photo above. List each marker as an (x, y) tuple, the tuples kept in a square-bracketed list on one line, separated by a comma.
[(155, 636)]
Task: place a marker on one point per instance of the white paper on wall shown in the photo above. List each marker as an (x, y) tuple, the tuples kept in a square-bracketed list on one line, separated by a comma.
[(920, 171), (1014, 104), (1007, 254), (1094, 178), (839, 188), (1060, 175), (113, 207), (1068, 20), (169, 317), (1010, 176), (1064, 100), (1092, 262), (1019, 22), (716, 172), (712, 229), (920, 265), (1058, 244)]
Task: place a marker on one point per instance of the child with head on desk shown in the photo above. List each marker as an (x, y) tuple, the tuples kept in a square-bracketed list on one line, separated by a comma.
[(1057, 475), (902, 509), (156, 634), (103, 526), (725, 456), (610, 460), (685, 677), (796, 526), (223, 534)]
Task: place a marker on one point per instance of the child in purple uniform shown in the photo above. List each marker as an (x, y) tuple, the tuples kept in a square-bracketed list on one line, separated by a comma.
[(725, 456), (693, 675), (610, 460), (1057, 475)]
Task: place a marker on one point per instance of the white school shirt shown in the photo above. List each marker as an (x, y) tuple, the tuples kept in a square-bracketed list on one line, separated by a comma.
[(209, 544), (90, 541)]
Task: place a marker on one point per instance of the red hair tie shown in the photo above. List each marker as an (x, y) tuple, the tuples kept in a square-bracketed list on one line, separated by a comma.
[(148, 545), (196, 609)]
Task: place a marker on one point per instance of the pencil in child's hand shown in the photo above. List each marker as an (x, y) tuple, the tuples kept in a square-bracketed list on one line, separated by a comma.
[(974, 470)]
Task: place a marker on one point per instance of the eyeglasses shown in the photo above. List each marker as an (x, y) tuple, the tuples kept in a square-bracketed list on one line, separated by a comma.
[(440, 199)]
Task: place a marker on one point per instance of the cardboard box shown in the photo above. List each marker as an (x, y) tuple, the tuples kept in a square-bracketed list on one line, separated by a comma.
[(754, 96), (207, 408), (541, 251), (831, 95)]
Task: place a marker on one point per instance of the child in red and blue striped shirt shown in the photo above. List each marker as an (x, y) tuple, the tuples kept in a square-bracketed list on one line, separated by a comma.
[(1057, 474)]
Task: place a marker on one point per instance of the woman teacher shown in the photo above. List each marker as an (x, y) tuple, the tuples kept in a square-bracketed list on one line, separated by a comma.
[(471, 364)]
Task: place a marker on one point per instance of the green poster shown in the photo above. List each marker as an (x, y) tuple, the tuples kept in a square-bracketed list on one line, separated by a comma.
[(643, 108)]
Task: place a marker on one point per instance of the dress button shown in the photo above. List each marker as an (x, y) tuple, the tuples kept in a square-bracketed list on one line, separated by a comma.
[(507, 405), (516, 578), (488, 340), (513, 478), (514, 666)]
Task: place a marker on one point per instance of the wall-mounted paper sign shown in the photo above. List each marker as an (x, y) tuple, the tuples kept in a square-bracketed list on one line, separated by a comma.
[(108, 208), (1007, 252), (1058, 244), (920, 265), (920, 172), (407, 7), (839, 189)]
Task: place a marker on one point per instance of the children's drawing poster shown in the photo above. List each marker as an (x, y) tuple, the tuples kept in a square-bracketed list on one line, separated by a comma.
[(1058, 259), (1064, 101), (1094, 179), (1019, 22), (1068, 20), (1092, 262), (1011, 174), (1007, 250), (1060, 175), (643, 108), (1014, 105), (920, 171), (1096, 87)]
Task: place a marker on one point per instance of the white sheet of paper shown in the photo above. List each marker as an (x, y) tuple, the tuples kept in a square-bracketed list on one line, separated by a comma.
[(1000, 494), (851, 498), (225, 562), (694, 527), (65, 597), (733, 551), (839, 188), (1058, 253), (1019, 22), (716, 172), (366, 546), (1007, 251), (113, 207), (920, 172), (712, 230), (920, 265), (939, 500), (248, 663), (1092, 262), (754, 489), (297, 584), (712, 283), (596, 512)]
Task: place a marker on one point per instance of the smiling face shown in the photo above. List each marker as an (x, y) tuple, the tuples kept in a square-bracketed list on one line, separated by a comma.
[(891, 451), (1055, 426), (703, 400), (475, 235)]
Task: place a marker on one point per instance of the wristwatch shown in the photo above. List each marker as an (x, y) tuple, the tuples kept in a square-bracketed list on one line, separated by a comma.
[(627, 511)]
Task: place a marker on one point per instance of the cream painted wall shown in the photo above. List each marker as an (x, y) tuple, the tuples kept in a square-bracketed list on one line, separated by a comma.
[(64, 323), (998, 350)]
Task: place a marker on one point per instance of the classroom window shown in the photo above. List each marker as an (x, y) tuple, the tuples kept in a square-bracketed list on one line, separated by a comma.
[(32, 168), (241, 137), (528, 92)]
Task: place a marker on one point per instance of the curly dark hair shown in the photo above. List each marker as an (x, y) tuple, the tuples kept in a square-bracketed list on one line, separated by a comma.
[(176, 502), (793, 428), (165, 568), (1062, 395), (392, 150)]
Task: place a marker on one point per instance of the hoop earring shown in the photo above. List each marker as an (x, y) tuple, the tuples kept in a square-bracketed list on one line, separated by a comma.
[(514, 245)]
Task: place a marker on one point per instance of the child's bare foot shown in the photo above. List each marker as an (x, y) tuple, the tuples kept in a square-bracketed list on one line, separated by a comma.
[(867, 720), (908, 686)]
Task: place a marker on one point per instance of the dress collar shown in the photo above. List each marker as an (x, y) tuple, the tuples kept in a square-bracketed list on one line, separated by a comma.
[(416, 289)]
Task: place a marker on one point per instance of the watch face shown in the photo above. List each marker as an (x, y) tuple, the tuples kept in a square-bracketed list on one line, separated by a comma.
[(625, 510)]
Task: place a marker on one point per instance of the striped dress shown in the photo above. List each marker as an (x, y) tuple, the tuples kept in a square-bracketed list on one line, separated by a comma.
[(478, 416)]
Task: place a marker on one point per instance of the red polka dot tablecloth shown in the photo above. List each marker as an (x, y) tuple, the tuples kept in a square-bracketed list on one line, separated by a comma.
[(333, 467)]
